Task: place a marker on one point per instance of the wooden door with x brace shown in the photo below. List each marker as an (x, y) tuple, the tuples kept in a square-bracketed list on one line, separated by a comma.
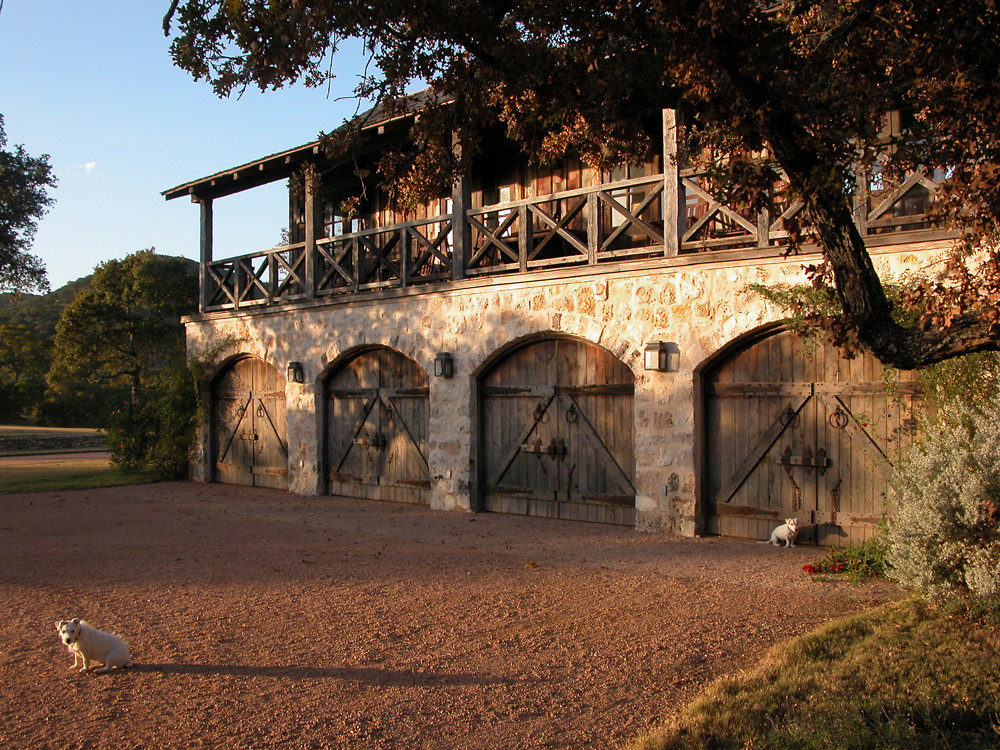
[(376, 428), (557, 440), (249, 438), (794, 429)]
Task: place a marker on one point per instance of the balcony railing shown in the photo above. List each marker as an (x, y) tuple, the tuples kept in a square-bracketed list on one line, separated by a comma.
[(269, 278), (615, 222), (401, 255)]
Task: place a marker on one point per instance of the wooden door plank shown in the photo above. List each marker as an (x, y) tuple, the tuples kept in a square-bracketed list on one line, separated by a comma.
[(356, 428), (411, 440), (869, 446), (603, 454), (514, 449), (759, 450)]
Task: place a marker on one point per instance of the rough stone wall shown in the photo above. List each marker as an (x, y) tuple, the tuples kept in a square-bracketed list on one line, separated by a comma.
[(31, 443), (699, 307)]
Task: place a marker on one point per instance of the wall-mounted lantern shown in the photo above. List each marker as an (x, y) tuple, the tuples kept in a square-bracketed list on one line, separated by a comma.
[(295, 373), (444, 365), (662, 356)]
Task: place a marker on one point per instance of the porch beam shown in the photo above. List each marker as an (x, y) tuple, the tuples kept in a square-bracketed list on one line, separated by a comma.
[(461, 201)]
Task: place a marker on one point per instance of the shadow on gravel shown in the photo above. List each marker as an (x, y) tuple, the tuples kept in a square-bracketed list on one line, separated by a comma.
[(349, 674)]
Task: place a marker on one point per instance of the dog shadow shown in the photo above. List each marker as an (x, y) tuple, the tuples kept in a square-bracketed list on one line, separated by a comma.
[(375, 677)]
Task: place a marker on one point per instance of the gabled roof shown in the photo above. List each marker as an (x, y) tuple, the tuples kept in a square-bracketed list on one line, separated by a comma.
[(284, 164)]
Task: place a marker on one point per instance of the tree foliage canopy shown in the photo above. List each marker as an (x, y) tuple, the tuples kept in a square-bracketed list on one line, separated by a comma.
[(125, 327), (24, 181), (800, 86)]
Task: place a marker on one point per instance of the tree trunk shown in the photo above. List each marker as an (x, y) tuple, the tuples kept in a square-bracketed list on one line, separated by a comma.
[(866, 308)]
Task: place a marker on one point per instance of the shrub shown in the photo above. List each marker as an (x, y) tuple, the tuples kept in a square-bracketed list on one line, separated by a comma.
[(156, 433), (159, 434), (131, 432), (945, 537), (176, 414)]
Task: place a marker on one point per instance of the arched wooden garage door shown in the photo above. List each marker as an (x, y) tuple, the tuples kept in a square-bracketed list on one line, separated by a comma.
[(557, 434), (376, 428), (794, 429), (249, 438)]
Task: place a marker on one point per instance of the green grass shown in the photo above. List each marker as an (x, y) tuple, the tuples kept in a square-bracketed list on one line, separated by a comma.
[(73, 473), (18, 430), (902, 676)]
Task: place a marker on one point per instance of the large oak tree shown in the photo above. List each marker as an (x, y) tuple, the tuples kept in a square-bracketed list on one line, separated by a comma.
[(124, 328), (800, 86)]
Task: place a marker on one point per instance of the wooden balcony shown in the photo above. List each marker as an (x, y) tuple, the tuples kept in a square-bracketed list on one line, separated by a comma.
[(633, 220)]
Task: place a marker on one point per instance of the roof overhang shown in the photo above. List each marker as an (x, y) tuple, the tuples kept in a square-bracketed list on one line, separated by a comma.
[(253, 174), (283, 165)]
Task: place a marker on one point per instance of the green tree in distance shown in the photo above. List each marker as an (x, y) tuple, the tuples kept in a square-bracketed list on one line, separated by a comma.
[(125, 328), (24, 181), (793, 89), (24, 359)]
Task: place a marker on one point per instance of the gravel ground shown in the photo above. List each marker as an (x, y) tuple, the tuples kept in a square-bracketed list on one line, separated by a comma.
[(261, 619)]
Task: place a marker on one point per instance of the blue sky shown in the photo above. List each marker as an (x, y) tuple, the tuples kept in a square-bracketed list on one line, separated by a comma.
[(92, 85)]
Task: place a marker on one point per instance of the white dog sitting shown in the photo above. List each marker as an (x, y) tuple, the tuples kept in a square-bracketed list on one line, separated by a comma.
[(89, 644), (785, 533)]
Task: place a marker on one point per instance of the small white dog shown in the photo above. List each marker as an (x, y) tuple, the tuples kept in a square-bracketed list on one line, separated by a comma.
[(89, 644), (785, 533)]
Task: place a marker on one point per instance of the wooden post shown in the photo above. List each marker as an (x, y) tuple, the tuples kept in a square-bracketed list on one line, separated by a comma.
[(525, 231), (764, 228), (404, 256), (461, 202), (314, 227), (672, 194), (206, 238), (861, 200), (593, 224)]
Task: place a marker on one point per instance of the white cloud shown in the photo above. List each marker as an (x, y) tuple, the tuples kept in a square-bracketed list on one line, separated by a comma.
[(81, 170)]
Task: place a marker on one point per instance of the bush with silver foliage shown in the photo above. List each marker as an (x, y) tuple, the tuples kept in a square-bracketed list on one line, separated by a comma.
[(945, 534)]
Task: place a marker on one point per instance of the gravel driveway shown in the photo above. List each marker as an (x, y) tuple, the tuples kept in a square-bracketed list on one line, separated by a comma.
[(262, 619)]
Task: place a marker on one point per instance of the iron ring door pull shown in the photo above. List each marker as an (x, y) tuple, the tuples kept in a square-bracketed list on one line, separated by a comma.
[(839, 419)]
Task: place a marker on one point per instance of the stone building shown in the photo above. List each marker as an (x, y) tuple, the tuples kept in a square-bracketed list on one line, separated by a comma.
[(558, 342)]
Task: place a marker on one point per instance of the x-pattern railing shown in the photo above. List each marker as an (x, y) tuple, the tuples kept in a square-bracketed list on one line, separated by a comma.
[(273, 277), (890, 210), (584, 226), (414, 252), (607, 223), (711, 224)]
